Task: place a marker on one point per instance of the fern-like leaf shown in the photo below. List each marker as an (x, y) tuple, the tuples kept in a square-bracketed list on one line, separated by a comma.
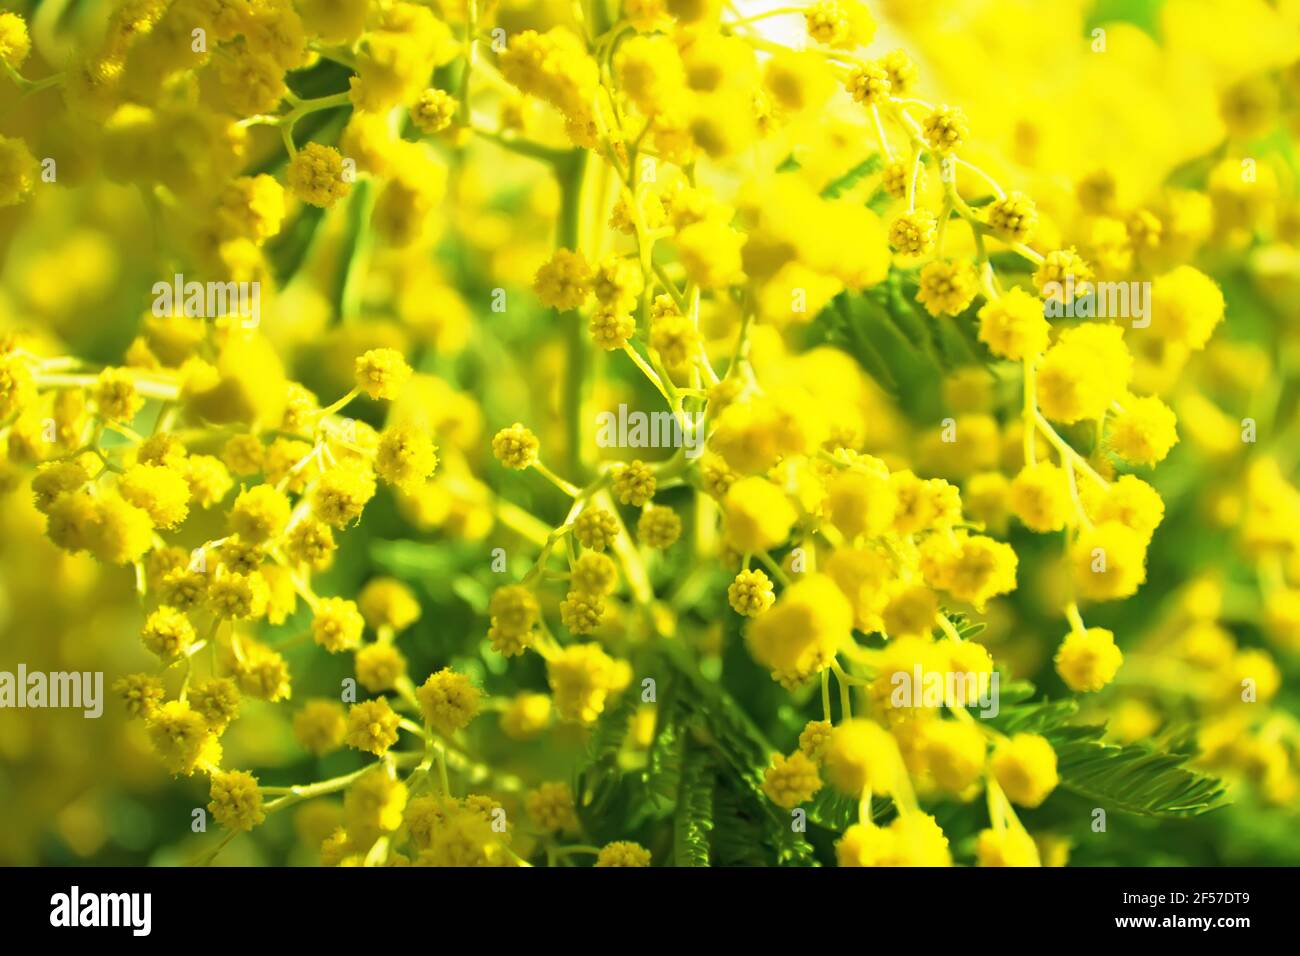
[(841, 184), (1133, 779), (693, 822), (743, 751)]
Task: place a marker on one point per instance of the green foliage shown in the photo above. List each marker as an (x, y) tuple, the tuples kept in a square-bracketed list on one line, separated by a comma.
[(287, 251), (693, 822), (702, 776), (903, 348), (841, 184), (1132, 779), (1143, 14)]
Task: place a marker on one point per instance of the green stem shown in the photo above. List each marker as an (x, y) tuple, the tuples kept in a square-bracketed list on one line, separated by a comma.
[(333, 785), (571, 173)]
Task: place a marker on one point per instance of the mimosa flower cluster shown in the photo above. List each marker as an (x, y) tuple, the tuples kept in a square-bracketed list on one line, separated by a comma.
[(706, 237)]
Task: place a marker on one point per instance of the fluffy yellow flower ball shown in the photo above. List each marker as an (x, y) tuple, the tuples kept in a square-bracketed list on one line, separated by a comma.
[(260, 514), (595, 528), (526, 716), (406, 456), (1040, 497), (658, 527), (236, 802), (119, 532), (912, 233), (321, 725), (791, 780), (183, 739), (947, 286), (954, 753), (582, 676), (973, 569), (15, 43), (1109, 561), (593, 572), (1186, 306), (634, 483), (433, 111), (1144, 432), (1013, 326), (163, 493), (945, 129), (387, 602), (861, 500), (711, 253), (802, 633), (861, 755), (551, 807), (372, 726), (750, 593), (168, 633), (379, 666), (912, 839), (1013, 217), (1088, 660), (1025, 768), (337, 624), (1128, 500), (316, 175), (17, 171), (758, 515), (564, 282), (1088, 368), (374, 805), (515, 447), (623, 853), (381, 373), (449, 701), (1010, 847)]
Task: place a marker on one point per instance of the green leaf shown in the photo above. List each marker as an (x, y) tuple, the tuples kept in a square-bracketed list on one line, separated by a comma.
[(1008, 260), (323, 79), (834, 811), (693, 822), (738, 833), (851, 337), (1132, 779), (288, 251), (610, 731), (354, 253), (1036, 718), (1143, 14), (841, 184), (864, 325), (742, 753), (663, 772), (437, 568), (610, 803), (907, 318)]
